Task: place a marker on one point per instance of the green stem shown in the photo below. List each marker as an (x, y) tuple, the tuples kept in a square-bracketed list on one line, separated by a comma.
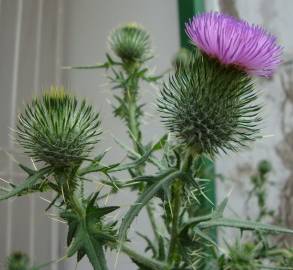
[(133, 123), (176, 204), (136, 138)]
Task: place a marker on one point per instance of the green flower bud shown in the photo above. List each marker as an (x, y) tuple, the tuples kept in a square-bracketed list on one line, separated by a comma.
[(182, 58), (264, 167), (57, 129), (210, 106), (131, 43), (18, 261)]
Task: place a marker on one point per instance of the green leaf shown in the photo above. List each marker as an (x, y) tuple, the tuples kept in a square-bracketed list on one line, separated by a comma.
[(144, 261), (204, 236), (134, 164), (26, 184), (218, 213), (84, 241), (95, 166), (221, 208), (160, 143), (97, 66), (144, 198), (194, 221), (243, 225)]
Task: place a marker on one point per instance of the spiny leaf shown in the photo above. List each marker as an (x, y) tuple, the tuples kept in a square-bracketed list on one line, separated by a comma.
[(143, 199), (204, 236), (220, 209), (97, 66), (134, 164), (243, 225), (26, 184), (84, 241)]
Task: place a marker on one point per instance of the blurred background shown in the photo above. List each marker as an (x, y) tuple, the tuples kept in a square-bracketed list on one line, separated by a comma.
[(38, 37)]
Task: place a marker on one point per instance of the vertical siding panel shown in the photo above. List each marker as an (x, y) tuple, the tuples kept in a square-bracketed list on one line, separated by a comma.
[(31, 51), (7, 37), (57, 230), (14, 88), (36, 86), (43, 224), (21, 222)]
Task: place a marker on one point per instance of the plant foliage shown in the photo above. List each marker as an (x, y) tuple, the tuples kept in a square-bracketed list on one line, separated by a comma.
[(206, 106)]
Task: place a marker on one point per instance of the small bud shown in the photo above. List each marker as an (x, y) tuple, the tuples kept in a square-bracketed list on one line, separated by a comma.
[(57, 129), (264, 167), (131, 43), (18, 261)]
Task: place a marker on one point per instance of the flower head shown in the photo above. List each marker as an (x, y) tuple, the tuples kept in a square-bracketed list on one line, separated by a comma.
[(131, 43), (235, 42), (18, 261), (57, 129), (209, 106)]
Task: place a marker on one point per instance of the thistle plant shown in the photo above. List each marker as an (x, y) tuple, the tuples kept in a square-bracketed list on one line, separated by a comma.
[(208, 105), (259, 249)]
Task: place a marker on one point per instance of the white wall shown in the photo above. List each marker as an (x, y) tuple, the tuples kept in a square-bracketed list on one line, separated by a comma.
[(30, 51)]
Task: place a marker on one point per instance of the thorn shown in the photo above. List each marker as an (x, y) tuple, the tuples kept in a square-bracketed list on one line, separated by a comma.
[(11, 156), (5, 181), (107, 199), (230, 192), (57, 220), (62, 191), (268, 136), (44, 199), (34, 165)]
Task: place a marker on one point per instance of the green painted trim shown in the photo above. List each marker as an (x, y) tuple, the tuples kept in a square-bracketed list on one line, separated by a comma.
[(187, 9)]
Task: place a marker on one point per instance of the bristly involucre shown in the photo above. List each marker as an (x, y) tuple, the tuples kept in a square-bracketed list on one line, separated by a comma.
[(57, 129), (131, 43), (210, 107), (235, 42)]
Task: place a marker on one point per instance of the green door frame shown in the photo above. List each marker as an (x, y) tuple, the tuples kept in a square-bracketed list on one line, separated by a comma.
[(187, 9)]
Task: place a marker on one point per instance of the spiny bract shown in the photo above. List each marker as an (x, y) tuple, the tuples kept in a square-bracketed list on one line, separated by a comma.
[(182, 57), (57, 129), (131, 43), (209, 106)]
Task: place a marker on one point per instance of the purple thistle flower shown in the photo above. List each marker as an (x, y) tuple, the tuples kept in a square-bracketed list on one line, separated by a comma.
[(235, 42)]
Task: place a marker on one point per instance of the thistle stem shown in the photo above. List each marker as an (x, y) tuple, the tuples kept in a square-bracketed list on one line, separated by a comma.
[(133, 125), (176, 204)]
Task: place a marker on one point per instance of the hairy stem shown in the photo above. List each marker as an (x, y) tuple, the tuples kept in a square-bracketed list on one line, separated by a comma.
[(176, 204), (133, 125)]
